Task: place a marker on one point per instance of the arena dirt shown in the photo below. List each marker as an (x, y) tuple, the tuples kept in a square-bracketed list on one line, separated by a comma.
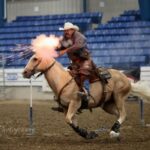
[(52, 133)]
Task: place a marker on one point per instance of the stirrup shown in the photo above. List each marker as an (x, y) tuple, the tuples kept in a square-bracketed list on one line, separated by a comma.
[(84, 96), (84, 100)]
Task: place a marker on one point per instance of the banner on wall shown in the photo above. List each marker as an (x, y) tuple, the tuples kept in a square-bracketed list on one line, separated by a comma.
[(13, 77), (145, 73)]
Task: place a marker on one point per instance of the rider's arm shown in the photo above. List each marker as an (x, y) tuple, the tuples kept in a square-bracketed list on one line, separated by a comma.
[(79, 42), (62, 52)]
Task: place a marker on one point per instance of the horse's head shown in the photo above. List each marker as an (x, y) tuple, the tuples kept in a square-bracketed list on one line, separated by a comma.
[(36, 64), (44, 53), (32, 66)]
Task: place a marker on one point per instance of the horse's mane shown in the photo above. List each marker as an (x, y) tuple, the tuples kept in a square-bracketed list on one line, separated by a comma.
[(62, 69)]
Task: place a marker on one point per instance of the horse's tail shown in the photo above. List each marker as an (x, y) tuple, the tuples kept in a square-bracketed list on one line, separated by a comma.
[(142, 90)]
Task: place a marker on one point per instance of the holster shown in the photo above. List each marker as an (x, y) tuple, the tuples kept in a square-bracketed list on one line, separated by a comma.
[(82, 54), (103, 74)]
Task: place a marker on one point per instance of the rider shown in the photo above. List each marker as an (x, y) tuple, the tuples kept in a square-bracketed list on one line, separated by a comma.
[(74, 44)]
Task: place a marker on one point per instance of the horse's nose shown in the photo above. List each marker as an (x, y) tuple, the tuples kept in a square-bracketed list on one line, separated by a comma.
[(24, 73)]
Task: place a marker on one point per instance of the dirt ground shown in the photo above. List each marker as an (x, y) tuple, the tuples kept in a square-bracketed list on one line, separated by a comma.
[(52, 133)]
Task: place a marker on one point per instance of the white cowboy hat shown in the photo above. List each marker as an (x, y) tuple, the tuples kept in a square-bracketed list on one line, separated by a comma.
[(69, 25)]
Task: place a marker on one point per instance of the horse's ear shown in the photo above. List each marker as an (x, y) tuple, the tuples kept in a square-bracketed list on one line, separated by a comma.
[(33, 52), (35, 59)]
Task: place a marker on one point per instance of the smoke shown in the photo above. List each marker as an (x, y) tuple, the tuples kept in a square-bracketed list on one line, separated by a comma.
[(45, 46)]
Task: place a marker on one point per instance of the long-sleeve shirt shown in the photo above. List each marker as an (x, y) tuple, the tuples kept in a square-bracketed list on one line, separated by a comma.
[(75, 45)]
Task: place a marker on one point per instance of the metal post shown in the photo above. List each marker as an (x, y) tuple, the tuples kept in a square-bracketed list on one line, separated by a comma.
[(5, 9), (85, 5), (3, 67), (2, 12), (31, 114), (31, 129), (142, 112)]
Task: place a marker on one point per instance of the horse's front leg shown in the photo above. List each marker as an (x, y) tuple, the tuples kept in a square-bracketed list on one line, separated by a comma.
[(72, 109), (71, 120)]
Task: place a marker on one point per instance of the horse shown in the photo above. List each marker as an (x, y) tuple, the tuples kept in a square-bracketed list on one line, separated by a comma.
[(65, 88)]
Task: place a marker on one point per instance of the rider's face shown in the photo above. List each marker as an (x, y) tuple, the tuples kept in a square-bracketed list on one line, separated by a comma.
[(68, 33)]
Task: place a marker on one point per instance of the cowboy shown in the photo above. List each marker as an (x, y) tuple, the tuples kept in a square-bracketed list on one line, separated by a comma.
[(74, 44)]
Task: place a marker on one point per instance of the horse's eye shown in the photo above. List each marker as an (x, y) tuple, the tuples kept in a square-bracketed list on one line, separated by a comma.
[(35, 59)]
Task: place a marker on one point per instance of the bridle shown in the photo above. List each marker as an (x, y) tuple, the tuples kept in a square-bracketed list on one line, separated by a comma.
[(42, 72)]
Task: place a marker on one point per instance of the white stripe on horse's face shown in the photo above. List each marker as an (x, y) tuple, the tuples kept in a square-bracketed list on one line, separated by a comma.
[(32, 66)]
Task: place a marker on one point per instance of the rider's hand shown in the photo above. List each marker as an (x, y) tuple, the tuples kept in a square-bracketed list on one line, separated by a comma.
[(58, 46), (62, 52)]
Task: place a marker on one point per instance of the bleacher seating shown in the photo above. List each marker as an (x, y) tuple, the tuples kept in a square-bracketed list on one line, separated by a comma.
[(131, 12), (118, 25), (120, 32), (84, 24), (25, 28), (95, 17), (123, 42)]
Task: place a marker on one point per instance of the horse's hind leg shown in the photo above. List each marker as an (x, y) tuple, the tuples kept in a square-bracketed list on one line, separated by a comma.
[(120, 105), (110, 107)]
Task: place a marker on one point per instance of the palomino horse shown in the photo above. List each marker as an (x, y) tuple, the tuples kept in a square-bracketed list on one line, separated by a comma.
[(66, 89)]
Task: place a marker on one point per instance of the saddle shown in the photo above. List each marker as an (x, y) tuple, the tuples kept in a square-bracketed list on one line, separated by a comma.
[(103, 74), (98, 74)]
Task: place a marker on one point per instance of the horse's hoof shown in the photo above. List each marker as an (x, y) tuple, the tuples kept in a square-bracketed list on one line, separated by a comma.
[(114, 134), (59, 109), (91, 135)]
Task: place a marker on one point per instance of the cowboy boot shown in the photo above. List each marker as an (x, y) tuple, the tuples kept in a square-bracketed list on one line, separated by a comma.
[(82, 93)]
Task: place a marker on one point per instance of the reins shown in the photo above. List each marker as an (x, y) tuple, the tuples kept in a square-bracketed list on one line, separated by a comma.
[(45, 70), (60, 92)]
